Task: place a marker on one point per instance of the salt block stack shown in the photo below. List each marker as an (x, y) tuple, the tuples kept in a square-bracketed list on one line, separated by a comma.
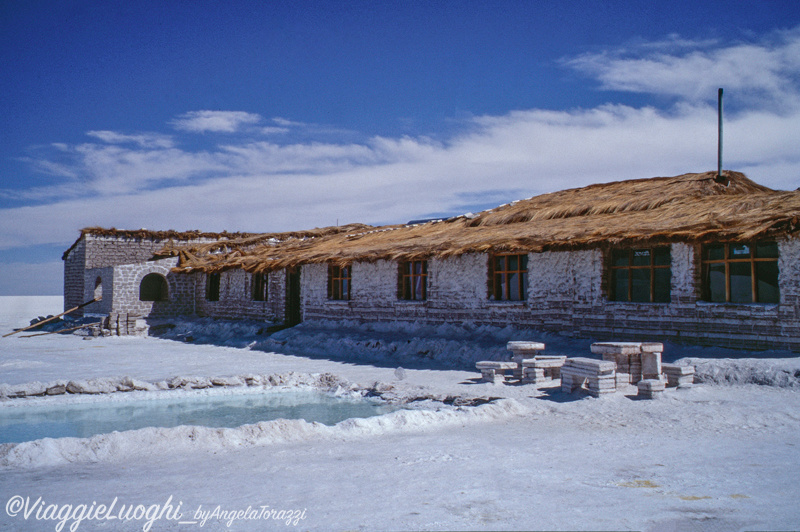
[(542, 369), (680, 376), (492, 370), (650, 388), (598, 375), (521, 351), (627, 357), (635, 360), (651, 360)]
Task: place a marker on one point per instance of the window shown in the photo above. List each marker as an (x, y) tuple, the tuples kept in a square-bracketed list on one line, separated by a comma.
[(98, 288), (260, 286), (508, 277), (212, 287), (413, 280), (641, 275), (339, 281), (153, 288), (740, 273)]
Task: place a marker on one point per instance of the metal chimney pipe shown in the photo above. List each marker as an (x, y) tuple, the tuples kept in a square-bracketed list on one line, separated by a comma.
[(719, 178)]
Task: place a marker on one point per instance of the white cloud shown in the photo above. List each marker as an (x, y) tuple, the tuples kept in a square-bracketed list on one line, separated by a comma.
[(215, 121), (143, 140), (761, 73)]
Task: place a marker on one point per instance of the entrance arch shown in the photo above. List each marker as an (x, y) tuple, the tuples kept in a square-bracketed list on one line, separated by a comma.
[(154, 287)]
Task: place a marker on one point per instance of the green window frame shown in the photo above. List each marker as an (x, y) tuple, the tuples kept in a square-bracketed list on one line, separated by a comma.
[(740, 272), (641, 275)]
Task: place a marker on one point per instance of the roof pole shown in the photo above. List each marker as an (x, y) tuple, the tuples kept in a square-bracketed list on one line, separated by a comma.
[(719, 178)]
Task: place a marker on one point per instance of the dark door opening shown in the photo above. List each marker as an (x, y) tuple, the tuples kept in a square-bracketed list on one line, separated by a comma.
[(293, 314)]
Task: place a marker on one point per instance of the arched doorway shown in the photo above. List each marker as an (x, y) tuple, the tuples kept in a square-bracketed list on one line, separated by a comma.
[(153, 287)]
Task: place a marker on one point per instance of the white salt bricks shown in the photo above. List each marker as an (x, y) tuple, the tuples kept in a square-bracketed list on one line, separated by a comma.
[(542, 369), (492, 370), (680, 376), (650, 388), (599, 376), (522, 350)]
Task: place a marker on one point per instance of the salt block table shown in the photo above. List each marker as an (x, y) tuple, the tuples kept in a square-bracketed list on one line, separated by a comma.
[(635, 360), (491, 369), (521, 351), (597, 374)]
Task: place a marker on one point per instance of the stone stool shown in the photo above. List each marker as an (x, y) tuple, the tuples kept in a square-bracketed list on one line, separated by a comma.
[(650, 388), (680, 376)]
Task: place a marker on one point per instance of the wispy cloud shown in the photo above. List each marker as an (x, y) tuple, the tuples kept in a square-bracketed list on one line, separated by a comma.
[(215, 121), (143, 140), (763, 73)]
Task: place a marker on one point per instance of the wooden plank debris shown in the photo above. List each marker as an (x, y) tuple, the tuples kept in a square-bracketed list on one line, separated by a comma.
[(48, 320)]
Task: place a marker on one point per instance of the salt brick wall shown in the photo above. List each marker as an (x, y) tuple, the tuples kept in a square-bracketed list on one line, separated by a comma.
[(74, 265), (236, 299), (568, 294), (127, 279), (103, 251), (105, 291)]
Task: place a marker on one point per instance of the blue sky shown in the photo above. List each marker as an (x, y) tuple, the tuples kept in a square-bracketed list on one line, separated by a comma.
[(270, 116)]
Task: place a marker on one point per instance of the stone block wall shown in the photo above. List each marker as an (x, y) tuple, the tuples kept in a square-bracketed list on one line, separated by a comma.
[(236, 297), (74, 266), (127, 279), (93, 253), (98, 282), (568, 293), (103, 251)]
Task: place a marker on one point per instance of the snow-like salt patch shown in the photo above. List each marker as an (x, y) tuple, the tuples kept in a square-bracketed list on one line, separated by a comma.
[(161, 441), (782, 373)]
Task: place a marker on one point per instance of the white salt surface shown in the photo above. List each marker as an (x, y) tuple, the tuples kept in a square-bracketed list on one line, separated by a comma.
[(721, 456)]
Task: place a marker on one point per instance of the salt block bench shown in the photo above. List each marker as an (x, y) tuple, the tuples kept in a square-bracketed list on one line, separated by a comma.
[(543, 368), (598, 375), (491, 369), (680, 376), (522, 350), (635, 360)]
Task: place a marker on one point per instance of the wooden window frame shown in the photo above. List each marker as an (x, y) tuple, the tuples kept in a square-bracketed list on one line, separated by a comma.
[(213, 282), (340, 282), (630, 267), (727, 260), (499, 291), (260, 286), (409, 277)]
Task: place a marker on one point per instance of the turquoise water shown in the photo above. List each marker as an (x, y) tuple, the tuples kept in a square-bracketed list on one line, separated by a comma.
[(82, 420)]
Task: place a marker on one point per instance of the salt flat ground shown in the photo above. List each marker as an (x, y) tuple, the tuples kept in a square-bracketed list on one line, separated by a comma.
[(716, 457)]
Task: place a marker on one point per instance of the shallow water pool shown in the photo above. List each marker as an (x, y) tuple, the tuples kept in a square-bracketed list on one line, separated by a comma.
[(85, 419)]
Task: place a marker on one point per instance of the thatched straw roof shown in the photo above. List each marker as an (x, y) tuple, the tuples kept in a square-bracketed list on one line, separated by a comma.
[(686, 208)]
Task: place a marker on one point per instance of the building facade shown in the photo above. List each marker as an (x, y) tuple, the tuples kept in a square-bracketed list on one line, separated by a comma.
[(589, 263)]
